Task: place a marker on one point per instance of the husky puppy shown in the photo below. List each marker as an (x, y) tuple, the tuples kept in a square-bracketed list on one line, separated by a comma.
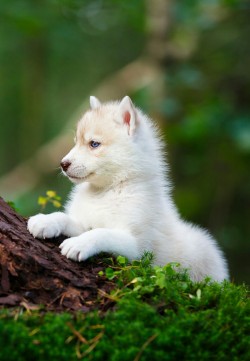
[(121, 202)]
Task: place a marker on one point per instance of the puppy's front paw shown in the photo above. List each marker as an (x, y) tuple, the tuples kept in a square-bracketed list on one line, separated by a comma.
[(77, 248), (44, 226)]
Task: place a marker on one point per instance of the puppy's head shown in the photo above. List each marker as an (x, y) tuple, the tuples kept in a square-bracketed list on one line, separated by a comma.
[(103, 150)]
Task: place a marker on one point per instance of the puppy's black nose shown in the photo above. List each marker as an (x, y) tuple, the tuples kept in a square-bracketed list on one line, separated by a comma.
[(65, 165)]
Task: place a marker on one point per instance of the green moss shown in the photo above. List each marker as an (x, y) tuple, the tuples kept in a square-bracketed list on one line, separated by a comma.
[(160, 315)]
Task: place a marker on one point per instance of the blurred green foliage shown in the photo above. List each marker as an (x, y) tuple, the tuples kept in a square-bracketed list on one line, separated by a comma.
[(53, 53), (208, 128)]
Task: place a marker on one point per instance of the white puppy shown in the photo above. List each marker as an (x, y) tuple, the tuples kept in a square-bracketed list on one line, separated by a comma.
[(122, 203)]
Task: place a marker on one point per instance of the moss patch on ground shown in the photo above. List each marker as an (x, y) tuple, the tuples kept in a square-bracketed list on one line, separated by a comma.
[(159, 314)]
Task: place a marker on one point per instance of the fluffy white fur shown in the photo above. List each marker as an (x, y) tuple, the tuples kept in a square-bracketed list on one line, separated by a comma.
[(121, 202)]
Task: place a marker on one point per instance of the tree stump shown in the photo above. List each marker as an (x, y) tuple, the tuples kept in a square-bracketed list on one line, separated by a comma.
[(33, 272)]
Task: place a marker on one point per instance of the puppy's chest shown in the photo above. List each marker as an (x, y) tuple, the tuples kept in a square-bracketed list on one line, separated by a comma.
[(98, 211)]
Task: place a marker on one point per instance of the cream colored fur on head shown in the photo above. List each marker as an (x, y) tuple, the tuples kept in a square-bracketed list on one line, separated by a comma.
[(121, 202)]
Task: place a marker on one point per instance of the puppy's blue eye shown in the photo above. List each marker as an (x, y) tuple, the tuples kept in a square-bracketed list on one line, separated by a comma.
[(94, 144)]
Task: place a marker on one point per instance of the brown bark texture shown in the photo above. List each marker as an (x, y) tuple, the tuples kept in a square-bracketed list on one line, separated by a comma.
[(34, 273)]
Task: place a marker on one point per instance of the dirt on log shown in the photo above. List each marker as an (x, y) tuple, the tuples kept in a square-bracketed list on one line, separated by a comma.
[(33, 272)]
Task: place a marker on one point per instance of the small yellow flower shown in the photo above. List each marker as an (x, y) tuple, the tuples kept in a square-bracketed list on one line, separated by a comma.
[(51, 197), (51, 194), (56, 204), (42, 201)]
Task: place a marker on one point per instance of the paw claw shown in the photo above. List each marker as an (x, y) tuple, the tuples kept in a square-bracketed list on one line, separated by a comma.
[(76, 248), (44, 226)]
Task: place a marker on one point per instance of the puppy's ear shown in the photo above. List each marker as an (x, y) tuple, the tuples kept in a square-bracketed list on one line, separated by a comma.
[(94, 102), (128, 114)]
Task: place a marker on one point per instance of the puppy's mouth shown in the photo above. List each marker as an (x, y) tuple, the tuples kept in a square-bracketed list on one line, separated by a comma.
[(77, 178)]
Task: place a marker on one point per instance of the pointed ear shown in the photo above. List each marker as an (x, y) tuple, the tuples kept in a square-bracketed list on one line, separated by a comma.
[(94, 102), (128, 114)]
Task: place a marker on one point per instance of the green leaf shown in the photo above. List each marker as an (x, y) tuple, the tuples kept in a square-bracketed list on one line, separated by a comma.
[(136, 263), (122, 260), (12, 205), (109, 272), (198, 294), (161, 280)]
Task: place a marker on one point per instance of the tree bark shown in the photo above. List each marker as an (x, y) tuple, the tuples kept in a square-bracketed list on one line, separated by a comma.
[(33, 272)]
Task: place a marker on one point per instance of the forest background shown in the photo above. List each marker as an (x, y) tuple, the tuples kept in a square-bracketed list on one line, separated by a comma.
[(186, 63)]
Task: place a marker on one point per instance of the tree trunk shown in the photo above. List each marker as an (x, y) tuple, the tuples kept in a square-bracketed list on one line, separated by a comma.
[(33, 272)]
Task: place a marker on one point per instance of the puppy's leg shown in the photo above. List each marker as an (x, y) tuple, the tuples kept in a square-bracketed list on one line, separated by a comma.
[(52, 225), (98, 240)]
